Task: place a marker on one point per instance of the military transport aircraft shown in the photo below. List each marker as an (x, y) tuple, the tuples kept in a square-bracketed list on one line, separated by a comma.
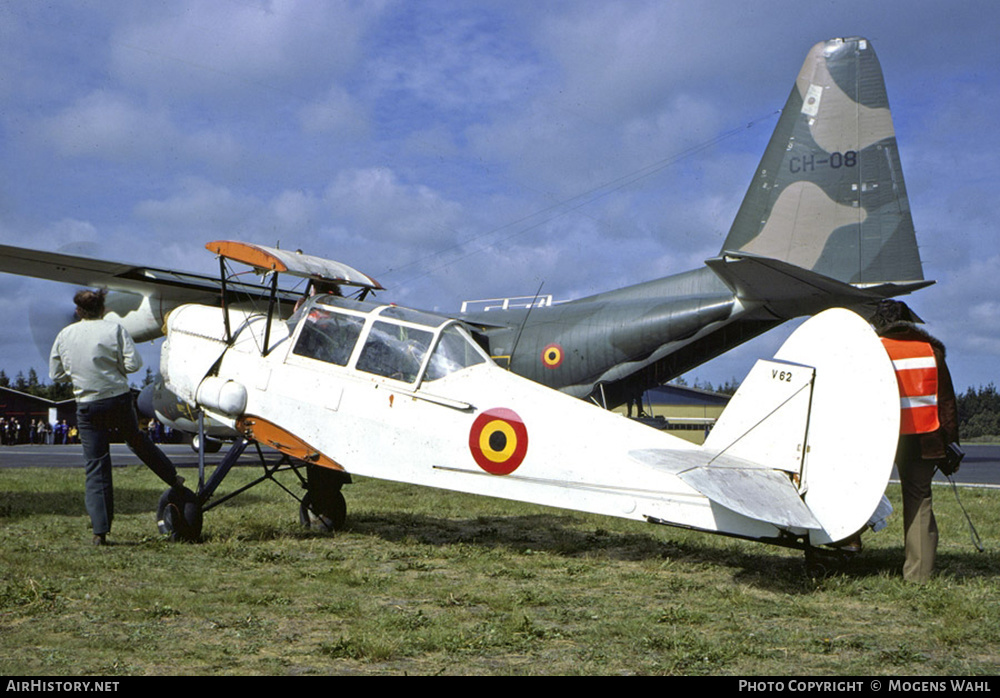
[(825, 223), (347, 386)]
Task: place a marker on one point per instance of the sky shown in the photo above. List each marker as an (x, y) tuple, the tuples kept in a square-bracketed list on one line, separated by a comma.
[(467, 150)]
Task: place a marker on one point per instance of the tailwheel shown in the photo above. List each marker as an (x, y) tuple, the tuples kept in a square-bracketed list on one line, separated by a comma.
[(326, 512), (823, 562), (179, 515)]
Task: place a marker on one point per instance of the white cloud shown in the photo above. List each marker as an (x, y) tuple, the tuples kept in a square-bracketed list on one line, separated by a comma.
[(198, 211), (456, 62), (619, 59), (374, 200), (225, 51), (105, 125), (337, 113)]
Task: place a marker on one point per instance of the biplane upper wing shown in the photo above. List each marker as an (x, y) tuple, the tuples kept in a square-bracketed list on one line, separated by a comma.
[(292, 262)]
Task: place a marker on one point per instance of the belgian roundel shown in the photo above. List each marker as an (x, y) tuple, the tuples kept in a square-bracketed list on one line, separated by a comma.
[(498, 441), (552, 356)]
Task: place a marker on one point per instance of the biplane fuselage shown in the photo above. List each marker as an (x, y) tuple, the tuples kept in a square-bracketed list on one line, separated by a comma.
[(399, 394)]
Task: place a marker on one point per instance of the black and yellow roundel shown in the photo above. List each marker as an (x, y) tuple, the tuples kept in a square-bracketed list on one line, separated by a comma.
[(498, 441), (552, 356)]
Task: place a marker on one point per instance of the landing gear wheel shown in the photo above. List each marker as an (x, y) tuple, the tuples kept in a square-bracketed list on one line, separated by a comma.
[(179, 515), (211, 445), (327, 513), (823, 562)]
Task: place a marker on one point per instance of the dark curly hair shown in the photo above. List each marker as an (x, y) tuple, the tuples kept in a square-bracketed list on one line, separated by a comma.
[(889, 312), (90, 304)]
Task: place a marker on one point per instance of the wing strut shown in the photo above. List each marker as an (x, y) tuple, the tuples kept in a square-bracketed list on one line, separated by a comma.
[(225, 308), (270, 312)]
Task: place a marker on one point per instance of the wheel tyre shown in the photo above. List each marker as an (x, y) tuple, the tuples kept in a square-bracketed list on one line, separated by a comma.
[(211, 445), (822, 562), (816, 569), (326, 514), (179, 515)]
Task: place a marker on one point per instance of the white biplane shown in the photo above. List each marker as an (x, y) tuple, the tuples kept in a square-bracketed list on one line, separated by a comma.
[(800, 457)]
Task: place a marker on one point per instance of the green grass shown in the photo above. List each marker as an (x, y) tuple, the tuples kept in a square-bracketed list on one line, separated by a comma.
[(428, 582)]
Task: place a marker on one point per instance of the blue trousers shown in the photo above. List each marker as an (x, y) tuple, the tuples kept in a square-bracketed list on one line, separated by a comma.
[(96, 421)]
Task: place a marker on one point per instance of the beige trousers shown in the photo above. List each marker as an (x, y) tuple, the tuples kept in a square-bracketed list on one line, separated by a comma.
[(919, 526)]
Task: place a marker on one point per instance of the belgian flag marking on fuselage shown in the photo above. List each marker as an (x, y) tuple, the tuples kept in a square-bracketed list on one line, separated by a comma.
[(552, 356), (498, 441)]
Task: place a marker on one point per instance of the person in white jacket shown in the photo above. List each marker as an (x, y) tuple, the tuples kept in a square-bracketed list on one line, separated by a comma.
[(97, 355)]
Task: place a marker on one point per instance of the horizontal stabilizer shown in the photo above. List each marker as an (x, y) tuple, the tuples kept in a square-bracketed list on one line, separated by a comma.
[(789, 290), (765, 495), (757, 447)]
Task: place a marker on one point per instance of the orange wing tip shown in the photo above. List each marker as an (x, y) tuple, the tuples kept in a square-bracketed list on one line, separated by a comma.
[(248, 254)]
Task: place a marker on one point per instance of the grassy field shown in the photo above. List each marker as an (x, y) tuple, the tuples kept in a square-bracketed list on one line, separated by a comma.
[(427, 582)]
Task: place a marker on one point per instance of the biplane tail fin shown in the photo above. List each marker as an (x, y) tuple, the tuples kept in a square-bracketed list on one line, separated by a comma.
[(829, 195), (809, 438)]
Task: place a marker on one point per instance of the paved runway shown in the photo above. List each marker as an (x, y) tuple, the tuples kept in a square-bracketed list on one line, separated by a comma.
[(71, 456), (981, 467)]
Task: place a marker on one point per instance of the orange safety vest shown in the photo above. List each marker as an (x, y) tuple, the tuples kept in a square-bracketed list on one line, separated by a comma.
[(917, 376)]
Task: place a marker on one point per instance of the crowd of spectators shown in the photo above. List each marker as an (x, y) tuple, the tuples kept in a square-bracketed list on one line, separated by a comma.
[(36, 431), (14, 431)]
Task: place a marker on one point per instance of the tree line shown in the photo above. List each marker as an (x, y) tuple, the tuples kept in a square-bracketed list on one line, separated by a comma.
[(978, 408), (979, 412), (31, 384)]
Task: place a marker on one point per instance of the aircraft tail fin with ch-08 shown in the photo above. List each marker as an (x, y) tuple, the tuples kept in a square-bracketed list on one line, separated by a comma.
[(828, 195), (825, 222)]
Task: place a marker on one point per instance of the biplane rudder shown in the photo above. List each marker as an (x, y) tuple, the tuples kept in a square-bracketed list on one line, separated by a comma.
[(823, 415)]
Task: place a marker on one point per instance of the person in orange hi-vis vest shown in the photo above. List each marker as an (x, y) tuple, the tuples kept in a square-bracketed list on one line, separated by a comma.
[(928, 424)]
